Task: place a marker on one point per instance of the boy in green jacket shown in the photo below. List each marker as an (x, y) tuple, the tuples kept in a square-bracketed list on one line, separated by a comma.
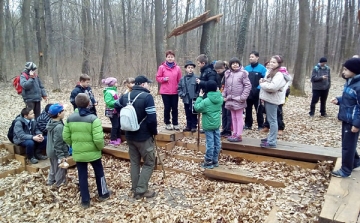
[(83, 132), (210, 107)]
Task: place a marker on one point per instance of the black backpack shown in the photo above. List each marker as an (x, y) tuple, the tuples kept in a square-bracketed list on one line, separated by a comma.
[(10, 133)]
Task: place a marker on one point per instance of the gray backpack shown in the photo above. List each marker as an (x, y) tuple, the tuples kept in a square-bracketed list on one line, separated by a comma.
[(128, 117)]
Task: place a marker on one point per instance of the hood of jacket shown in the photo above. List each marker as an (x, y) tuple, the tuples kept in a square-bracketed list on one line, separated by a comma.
[(215, 97), (52, 124)]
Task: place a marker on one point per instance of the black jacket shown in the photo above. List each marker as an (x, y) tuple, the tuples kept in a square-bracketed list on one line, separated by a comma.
[(80, 89), (145, 108), (207, 73)]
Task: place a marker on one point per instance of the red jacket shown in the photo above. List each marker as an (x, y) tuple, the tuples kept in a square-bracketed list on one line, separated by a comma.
[(174, 74)]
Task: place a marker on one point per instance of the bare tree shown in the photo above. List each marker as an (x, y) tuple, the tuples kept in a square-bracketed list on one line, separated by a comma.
[(2, 43), (86, 27), (159, 34), (327, 35), (25, 20), (105, 59), (169, 16), (207, 35), (243, 29)]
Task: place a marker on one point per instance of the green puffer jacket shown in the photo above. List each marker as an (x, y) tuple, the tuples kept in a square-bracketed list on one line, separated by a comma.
[(84, 133), (110, 96), (210, 108)]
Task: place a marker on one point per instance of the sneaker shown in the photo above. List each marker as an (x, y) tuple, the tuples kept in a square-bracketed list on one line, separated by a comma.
[(265, 130), (187, 129), (176, 127), (231, 137), (263, 140), (114, 143), (339, 173), (33, 160), (235, 139), (207, 165), (193, 130), (216, 164), (267, 145), (247, 128), (311, 115), (85, 205), (169, 127), (281, 132), (147, 194), (41, 157), (118, 140), (105, 196)]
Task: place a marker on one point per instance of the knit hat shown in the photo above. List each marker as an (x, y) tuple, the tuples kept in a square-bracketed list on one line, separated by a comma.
[(353, 65), (323, 60), (110, 81), (211, 86), (189, 62), (30, 66), (56, 109), (142, 79), (234, 60)]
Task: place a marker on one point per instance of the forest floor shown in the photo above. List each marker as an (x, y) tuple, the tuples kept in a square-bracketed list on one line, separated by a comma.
[(196, 199)]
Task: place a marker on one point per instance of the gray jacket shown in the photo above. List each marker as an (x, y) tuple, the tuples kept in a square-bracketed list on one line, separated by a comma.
[(22, 130), (187, 88), (33, 90), (318, 82), (55, 145)]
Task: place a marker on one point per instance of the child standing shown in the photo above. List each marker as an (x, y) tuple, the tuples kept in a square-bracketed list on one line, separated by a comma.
[(349, 114), (84, 133), (187, 91), (236, 90), (110, 97), (129, 83), (84, 87), (210, 107), (56, 148)]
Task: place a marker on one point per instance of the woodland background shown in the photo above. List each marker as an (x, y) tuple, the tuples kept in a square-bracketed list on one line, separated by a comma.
[(124, 38)]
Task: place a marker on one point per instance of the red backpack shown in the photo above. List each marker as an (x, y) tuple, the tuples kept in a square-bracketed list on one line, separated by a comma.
[(16, 82)]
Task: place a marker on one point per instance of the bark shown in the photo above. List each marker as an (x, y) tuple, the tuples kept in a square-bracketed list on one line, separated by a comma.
[(310, 57), (184, 39), (43, 35), (38, 37), (85, 25), (159, 34), (25, 20), (8, 46), (299, 70), (2, 43), (169, 17), (243, 29), (327, 36), (116, 45), (124, 31), (208, 30), (104, 70)]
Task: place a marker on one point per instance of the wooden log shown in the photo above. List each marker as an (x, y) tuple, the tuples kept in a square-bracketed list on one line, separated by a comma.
[(342, 199), (285, 150), (165, 135), (19, 150), (181, 143), (21, 159), (7, 173), (194, 147), (260, 158), (41, 165), (239, 176), (166, 145), (9, 146), (118, 153)]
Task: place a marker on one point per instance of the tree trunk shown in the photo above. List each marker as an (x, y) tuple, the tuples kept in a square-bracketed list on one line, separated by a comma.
[(184, 37), (208, 30), (311, 50), (116, 45), (159, 34), (105, 59), (8, 47), (327, 36), (38, 37), (2, 43), (299, 70), (50, 41), (169, 41), (25, 20), (124, 32), (243, 29), (85, 25), (43, 35)]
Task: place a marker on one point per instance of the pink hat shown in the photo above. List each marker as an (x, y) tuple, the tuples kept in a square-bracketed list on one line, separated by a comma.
[(110, 81)]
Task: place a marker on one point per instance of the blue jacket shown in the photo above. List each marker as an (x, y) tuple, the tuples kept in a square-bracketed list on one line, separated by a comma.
[(33, 90), (24, 130), (80, 89), (256, 72), (349, 102)]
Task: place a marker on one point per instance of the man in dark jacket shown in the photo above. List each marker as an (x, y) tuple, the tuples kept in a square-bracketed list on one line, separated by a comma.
[(27, 134), (207, 72), (141, 142), (321, 82), (84, 87)]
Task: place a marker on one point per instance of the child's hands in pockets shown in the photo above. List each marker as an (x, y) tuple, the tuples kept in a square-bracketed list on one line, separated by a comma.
[(354, 129), (334, 101)]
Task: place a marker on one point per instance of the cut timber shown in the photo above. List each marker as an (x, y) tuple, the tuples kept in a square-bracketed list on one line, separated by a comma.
[(187, 158), (19, 150), (7, 173), (107, 127), (192, 24), (41, 165), (4, 160), (238, 176), (260, 158), (342, 199), (194, 147), (166, 145), (118, 153), (169, 136), (285, 150), (181, 143), (9, 146), (21, 159), (167, 169), (194, 135)]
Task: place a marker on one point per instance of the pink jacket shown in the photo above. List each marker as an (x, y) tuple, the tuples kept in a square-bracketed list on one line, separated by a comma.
[(237, 89), (174, 74)]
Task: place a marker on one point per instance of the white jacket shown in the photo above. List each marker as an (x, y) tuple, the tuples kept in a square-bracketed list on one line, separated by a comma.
[(273, 90)]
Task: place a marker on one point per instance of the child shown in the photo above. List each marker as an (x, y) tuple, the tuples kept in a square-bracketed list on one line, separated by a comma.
[(187, 91), (236, 90), (84, 133), (26, 134), (83, 87), (110, 97), (210, 107), (207, 72), (56, 148), (349, 114), (129, 83), (221, 67), (43, 119), (272, 92)]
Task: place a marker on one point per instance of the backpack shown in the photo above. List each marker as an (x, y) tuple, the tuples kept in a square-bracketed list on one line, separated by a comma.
[(16, 82), (128, 117), (10, 133)]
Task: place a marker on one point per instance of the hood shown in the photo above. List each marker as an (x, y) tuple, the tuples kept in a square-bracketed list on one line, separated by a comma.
[(52, 124), (207, 66), (215, 97), (112, 88), (139, 88), (79, 86)]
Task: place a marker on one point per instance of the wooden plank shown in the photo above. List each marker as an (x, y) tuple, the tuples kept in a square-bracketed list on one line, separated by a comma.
[(116, 152), (272, 218), (239, 176), (178, 135), (7, 173), (168, 169), (170, 145), (21, 159), (181, 143), (260, 158), (9, 146), (168, 136), (194, 147), (4, 160), (41, 165), (285, 150), (194, 135), (189, 25), (20, 170), (342, 199), (187, 158), (19, 150), (2, 192), (107, 128)]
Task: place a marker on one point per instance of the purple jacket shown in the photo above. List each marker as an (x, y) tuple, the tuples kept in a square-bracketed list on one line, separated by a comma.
[(237, 89)]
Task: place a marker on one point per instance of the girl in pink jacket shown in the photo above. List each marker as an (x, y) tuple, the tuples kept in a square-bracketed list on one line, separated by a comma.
[(236, 91), (168, 76)]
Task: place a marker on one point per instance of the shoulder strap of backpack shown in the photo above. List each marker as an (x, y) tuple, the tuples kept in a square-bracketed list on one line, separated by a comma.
[(134, 98), (25, 75)]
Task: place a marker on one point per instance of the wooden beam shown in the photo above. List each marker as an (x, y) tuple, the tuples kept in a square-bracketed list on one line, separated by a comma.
[(118, 153), (7, 173), (194, 147), (41, 165), (190, 23), (187, 158), (166, 145), (342, 199), (238, 176), (285, 150), (167, 169), (9, 146)]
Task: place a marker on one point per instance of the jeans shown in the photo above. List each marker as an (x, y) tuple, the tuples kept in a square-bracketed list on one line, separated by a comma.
[(226, 119), (271, 114), (191, 119), (316, 95), (83, 179), (280, 119), (350, 157), (170, 104), (35, 106), (115, 127), (33, 147), (213, 146), (259, 113), (144, 150)]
